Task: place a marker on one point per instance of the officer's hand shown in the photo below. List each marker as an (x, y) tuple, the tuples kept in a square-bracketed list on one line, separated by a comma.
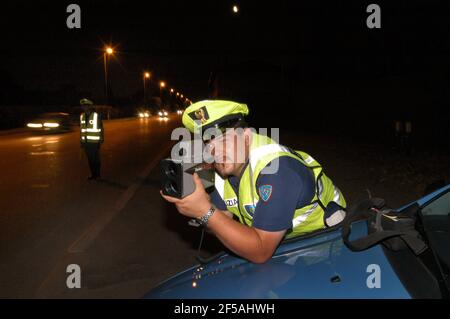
[(196, 204)]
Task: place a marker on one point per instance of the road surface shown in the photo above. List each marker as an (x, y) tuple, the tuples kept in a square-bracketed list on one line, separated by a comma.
[(116, 229)]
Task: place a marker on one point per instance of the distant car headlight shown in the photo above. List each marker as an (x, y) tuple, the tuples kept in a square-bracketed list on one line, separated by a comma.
[(165, 113), (34, 125), (146, 114), (51, 124), (160, 113), (179, 112), (141, 114)]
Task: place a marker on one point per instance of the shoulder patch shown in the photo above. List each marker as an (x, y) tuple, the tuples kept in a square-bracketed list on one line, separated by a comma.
[(200, 114), (265, 192)]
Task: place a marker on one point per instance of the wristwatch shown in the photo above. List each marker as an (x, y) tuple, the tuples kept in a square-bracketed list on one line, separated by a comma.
[(205, 218)]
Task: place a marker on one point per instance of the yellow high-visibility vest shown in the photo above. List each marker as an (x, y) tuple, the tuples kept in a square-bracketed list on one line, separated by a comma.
[(263, 151)]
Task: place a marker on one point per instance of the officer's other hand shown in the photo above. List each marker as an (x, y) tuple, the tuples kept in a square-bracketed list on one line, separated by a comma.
[(196, 204)]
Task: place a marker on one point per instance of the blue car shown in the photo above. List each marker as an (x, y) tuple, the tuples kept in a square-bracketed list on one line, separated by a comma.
[(320, 265)]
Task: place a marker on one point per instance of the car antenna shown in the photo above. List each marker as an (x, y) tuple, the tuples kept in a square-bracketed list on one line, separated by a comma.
[(200, 259)]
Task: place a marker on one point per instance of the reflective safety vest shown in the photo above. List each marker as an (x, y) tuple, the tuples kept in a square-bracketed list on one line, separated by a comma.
[(264, 150), (91, 129)]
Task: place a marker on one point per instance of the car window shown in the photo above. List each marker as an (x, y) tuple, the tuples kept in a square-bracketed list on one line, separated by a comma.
[(439, 206)]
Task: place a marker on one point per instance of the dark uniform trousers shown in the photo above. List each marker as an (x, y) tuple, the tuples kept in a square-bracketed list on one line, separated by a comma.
[(92, 151)]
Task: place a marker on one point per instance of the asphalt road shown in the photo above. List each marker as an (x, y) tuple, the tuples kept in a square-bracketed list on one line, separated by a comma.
[(115, 229)]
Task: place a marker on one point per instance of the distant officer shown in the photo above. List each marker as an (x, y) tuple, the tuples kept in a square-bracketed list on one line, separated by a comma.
[(268, 204), (91, 136)]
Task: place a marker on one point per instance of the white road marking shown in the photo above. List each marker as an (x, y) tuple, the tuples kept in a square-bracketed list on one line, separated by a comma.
[(41, 153)]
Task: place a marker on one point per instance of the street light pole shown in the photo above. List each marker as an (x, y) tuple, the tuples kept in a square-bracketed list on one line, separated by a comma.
[(162, 84), (171, 102), (145, 76), (106, 78), (108, 51)]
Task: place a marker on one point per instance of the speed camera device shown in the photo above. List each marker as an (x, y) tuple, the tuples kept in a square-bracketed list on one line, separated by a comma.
[(177, 171)]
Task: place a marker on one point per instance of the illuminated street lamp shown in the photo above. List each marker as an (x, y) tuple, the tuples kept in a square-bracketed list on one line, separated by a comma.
[(108, 51), (162, 85), (172, 97), (145, 76), (235, 9)]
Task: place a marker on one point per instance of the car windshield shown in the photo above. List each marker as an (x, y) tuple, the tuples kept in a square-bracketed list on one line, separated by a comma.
[(436, 222), (438, 207)]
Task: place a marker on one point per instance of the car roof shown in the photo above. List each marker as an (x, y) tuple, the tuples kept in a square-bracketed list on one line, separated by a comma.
[(54, 114), (319, 266), (316, 267)]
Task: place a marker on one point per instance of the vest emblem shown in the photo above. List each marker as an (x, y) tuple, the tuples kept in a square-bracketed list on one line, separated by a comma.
[(250, 209), (265, 192)]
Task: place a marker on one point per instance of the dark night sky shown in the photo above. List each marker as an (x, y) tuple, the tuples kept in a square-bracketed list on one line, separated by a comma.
[(180, 41), (316, 54)]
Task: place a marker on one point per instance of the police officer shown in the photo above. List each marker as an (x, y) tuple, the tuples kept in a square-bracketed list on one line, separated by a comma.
[(264, 192), (91, 136)]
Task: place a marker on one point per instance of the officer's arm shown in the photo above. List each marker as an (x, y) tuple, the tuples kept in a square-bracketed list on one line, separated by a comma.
[(81, 127), (254, 244), (251, 243), (100, 118), (273, 213), (100, 126), (228, 214)]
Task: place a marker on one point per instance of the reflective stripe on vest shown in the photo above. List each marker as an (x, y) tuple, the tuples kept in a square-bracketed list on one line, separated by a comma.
[(219, 183), (301, 218), (263, 151), (260, 151), (95, 121)]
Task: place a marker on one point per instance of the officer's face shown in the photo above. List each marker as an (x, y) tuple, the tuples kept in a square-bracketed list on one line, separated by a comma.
[(229, 151)]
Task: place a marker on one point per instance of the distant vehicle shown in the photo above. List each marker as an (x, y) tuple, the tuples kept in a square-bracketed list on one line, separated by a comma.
[(320, 265), (163, 114), (143, 113), (50, 122), (179, 112)]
